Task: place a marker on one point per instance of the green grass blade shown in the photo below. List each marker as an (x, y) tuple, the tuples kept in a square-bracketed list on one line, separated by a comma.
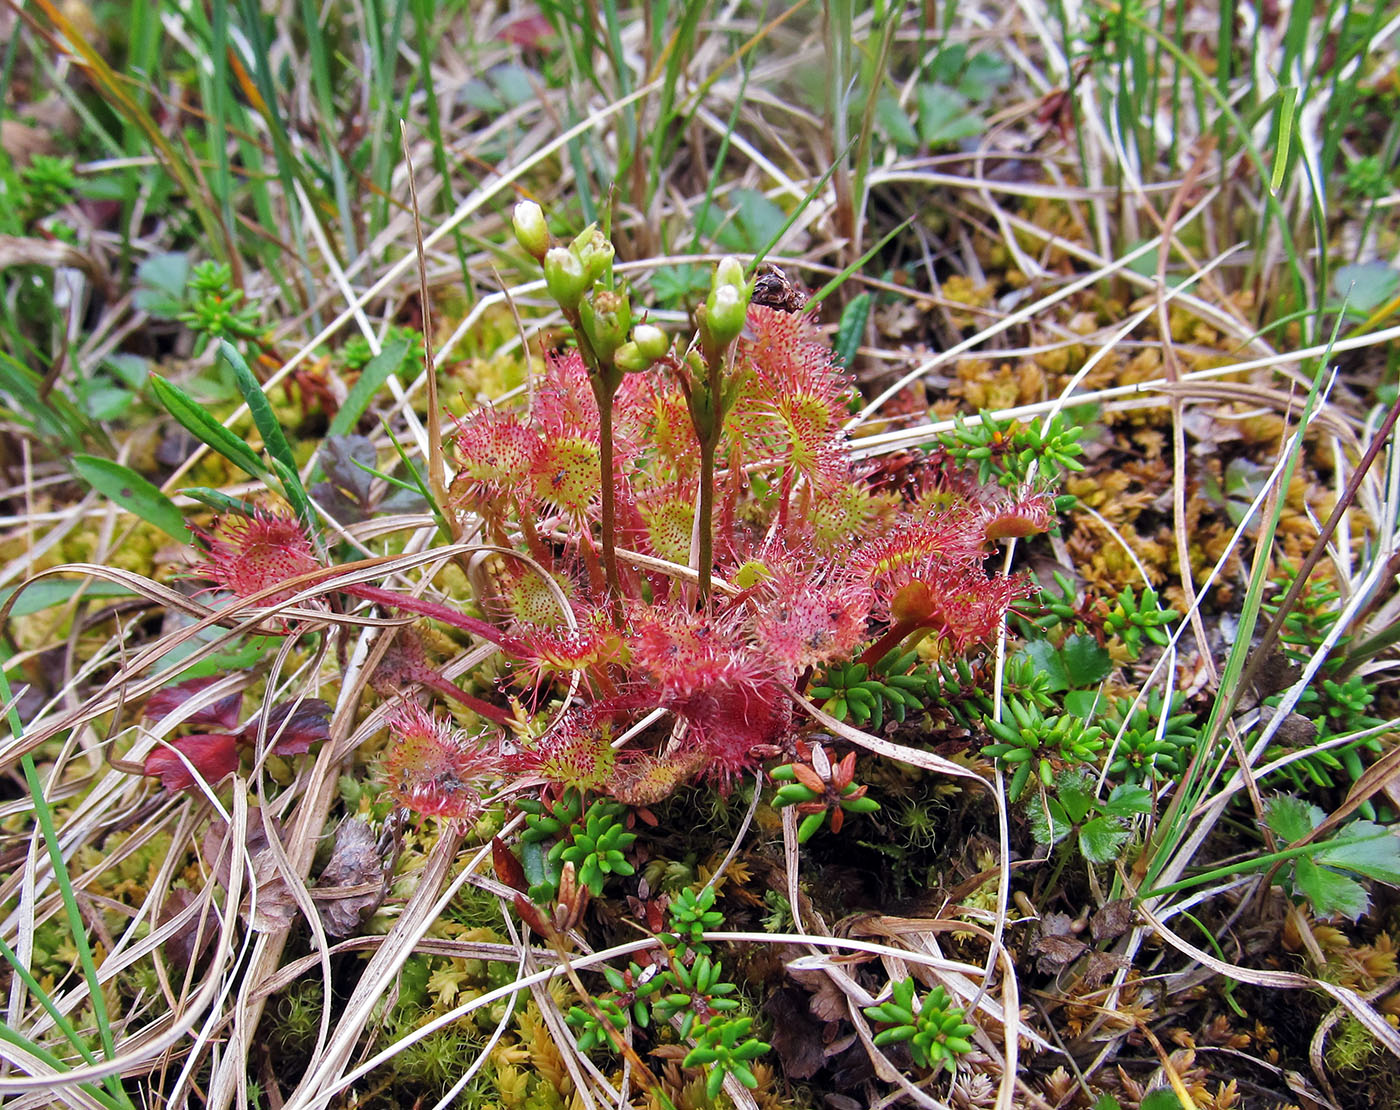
[(43, 815)]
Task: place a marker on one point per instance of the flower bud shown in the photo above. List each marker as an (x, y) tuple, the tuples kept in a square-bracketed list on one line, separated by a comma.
[(594, 250), (605, 316), (630, 359), (725, 312), (565, 277), (651, 341), (531, 231), (730, 271)]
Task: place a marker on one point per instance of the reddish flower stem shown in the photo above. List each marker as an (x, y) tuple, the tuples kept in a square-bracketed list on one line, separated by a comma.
[(893, 636)]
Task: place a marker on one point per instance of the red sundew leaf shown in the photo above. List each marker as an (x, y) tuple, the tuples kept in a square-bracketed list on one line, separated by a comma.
[(250, 554), (433, 769), (293, 726), (220, 714), (212, 755)]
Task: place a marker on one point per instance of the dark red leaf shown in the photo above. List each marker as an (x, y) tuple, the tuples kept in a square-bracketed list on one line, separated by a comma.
[(508, 868), (528, 31), (293, 726), (221, 714), (213, 755)]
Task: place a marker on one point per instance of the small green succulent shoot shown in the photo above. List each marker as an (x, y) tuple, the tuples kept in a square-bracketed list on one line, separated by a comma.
[(1134, 619), (1066, 815), (1150, 744), (865, 693), (692, 914), (1005, 452), (1032, 741), (693, 992), (590, 1030), (726, 1045), (597, 848), (935, 1030), (214, 309), (821, 790)]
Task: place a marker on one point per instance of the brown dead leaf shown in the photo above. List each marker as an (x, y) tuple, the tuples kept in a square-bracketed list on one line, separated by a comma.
[(826, 1003), (796, 1035), (1100, 965), (1111, 920), (354, 862), (1057, 945), (18, 250), (269, 906), (191, 942)]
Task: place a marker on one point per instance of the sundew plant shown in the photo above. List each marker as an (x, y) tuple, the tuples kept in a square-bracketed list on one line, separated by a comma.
[(767, 556)]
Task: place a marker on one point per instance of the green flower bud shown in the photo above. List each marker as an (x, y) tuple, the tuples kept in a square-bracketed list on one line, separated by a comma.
[(531, 231), (730, 271), (629, 358), (565, 277), (651, 340), (725, 311), (594, 250), (606, 317)]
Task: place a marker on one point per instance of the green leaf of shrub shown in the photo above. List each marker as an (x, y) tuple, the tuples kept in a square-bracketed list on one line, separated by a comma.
[(852, 328), (133, 493), (192, 417), (264, 419)]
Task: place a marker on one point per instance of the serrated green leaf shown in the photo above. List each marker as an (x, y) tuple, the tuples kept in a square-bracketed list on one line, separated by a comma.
[(133, 493), (894, 121), (1364, 847), (1049, 823), (161, 280), (1328, 891), (192, 417), (1163, 1098), (944, 117), (1101, 838), (375, 373), (1127, 800), (1076, 796), (1086, 662), (760, 219), (1291, 818)]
